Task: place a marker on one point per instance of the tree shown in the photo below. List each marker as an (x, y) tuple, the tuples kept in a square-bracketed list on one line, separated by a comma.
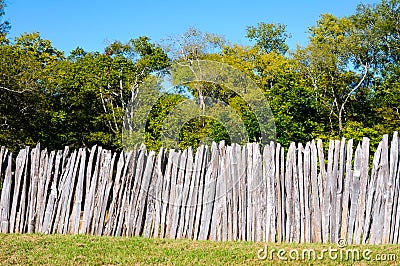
[(76, 101), (377, 33), (326, 62), (289, 97), (97, 90), (24, 101), (189, 49), (269, 37), (4, 25)]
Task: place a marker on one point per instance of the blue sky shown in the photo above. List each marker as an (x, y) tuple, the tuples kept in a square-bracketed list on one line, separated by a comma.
[(94, 24)]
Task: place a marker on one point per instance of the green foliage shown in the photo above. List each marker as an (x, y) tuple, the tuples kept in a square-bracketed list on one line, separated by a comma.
[(269, 37), (76, 101), (343, 83), (156, 118)]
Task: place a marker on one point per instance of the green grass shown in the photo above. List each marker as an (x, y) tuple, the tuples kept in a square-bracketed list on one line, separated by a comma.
[(37, 249)]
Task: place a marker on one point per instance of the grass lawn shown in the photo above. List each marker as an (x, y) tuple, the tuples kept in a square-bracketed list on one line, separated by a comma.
[(37, 249)]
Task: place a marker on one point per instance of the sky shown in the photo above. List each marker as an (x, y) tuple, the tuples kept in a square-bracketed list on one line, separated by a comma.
[(92, 25)]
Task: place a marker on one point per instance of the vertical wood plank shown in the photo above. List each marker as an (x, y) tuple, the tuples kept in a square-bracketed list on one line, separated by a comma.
[(354, 191), (347, 187), (316, 207), (152, 219), (166, 194), (359, 230), (381, 198), (177, 204), (209, 193), (33, 188), (19, 171), (5, 200), (333, 238), (280, 226), (51, 203), (41, 187), (88, 208), (46, 190), (271, 194), (76, 210), (186, 186), (116, 196), (243, 194), (396, 210), (67, 192), (134, 193), (259, 195), (307, 192), (195, 194), (340, 189), (301, 188), (390, 191), (234, 170), (141, 204), (324, 191), (129, 169)]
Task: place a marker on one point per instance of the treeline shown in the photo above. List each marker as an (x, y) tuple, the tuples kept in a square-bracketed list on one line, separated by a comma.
[(343, 83)]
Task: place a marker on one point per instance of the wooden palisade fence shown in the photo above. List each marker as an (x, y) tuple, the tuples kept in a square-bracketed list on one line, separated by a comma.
[(218, 193)]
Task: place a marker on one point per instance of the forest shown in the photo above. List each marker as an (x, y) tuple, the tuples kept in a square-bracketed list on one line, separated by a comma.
[(343, 83)]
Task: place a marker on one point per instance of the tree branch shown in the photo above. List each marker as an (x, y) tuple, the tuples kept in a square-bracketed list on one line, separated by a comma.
[(10, 90)]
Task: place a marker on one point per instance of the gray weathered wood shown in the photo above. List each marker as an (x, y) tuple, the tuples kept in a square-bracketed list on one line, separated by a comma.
[(307, 192), (381, 198), (233, 193), (316, 206), (50, 205), (363, 191), (259, 196), (176, 156), (301, 188), (154, 199), (76, 210), (371, 192), (269, 179), (207, 196), (177, 203), (346, 191), (195, 193), (113, 210), (129, 169), (354, 192), (46, 190), (324, 187), (186, 186), (396, 210), (280, 225), (91, 186), (141, 204), (390, 192), (209, 193), (333, 180), (33, 188), (66, 194), (19, 171), (41, 187), (243, 235), (5, 200), (340, 189), (166, 194), (233, 154)]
